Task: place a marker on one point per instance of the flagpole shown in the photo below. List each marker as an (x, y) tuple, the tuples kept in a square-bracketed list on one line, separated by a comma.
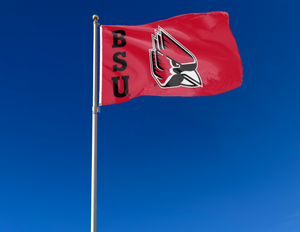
[(94, 129)]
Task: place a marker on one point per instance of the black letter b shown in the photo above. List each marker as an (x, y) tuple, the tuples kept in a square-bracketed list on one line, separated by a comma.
[(116, 38)]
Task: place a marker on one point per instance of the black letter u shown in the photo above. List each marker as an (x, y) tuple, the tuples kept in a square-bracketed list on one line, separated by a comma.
[(116, 86)]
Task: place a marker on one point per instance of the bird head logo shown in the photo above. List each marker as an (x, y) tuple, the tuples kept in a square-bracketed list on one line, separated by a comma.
[(172, 65)]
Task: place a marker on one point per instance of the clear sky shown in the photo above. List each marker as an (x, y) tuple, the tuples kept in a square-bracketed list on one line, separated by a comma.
[(229, 162)]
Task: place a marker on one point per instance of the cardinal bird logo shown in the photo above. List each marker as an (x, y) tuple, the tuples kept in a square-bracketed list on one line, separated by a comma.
[(172, 65)]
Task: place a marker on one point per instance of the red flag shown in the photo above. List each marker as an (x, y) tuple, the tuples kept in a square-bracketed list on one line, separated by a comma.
[(188, 55)]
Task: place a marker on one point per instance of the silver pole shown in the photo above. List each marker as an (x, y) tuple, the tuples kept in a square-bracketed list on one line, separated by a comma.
[(94, 130)]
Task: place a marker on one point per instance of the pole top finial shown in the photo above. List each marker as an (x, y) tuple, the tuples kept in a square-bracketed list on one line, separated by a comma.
[(95, 17)]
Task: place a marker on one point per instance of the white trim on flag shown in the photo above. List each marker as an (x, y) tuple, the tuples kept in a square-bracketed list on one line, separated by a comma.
[(100, 66)]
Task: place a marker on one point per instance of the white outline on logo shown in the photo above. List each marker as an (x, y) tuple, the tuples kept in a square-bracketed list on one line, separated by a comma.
[(155, 38)]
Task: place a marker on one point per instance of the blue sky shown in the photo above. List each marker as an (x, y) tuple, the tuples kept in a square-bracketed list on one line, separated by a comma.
[(228, 162)]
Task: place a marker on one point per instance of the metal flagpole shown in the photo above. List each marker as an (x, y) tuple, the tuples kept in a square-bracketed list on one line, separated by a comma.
[(94, 129)]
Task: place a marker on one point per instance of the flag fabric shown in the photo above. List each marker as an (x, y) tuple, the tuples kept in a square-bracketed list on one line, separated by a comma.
[(187, 55)]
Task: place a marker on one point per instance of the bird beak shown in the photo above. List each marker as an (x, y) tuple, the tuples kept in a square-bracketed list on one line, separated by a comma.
[(191, 78)]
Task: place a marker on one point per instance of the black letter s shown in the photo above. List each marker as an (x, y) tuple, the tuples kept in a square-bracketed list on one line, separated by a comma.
[(119, 61)]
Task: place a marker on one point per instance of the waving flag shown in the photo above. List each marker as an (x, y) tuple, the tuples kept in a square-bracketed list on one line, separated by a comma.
[(188, 55)]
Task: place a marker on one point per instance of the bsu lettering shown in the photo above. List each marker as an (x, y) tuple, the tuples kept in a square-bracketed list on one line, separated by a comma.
[(116, 86), (119, 61), (119, 36), (118, 42)]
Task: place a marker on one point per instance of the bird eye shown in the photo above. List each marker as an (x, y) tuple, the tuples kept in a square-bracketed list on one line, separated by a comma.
[(175, 63)]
